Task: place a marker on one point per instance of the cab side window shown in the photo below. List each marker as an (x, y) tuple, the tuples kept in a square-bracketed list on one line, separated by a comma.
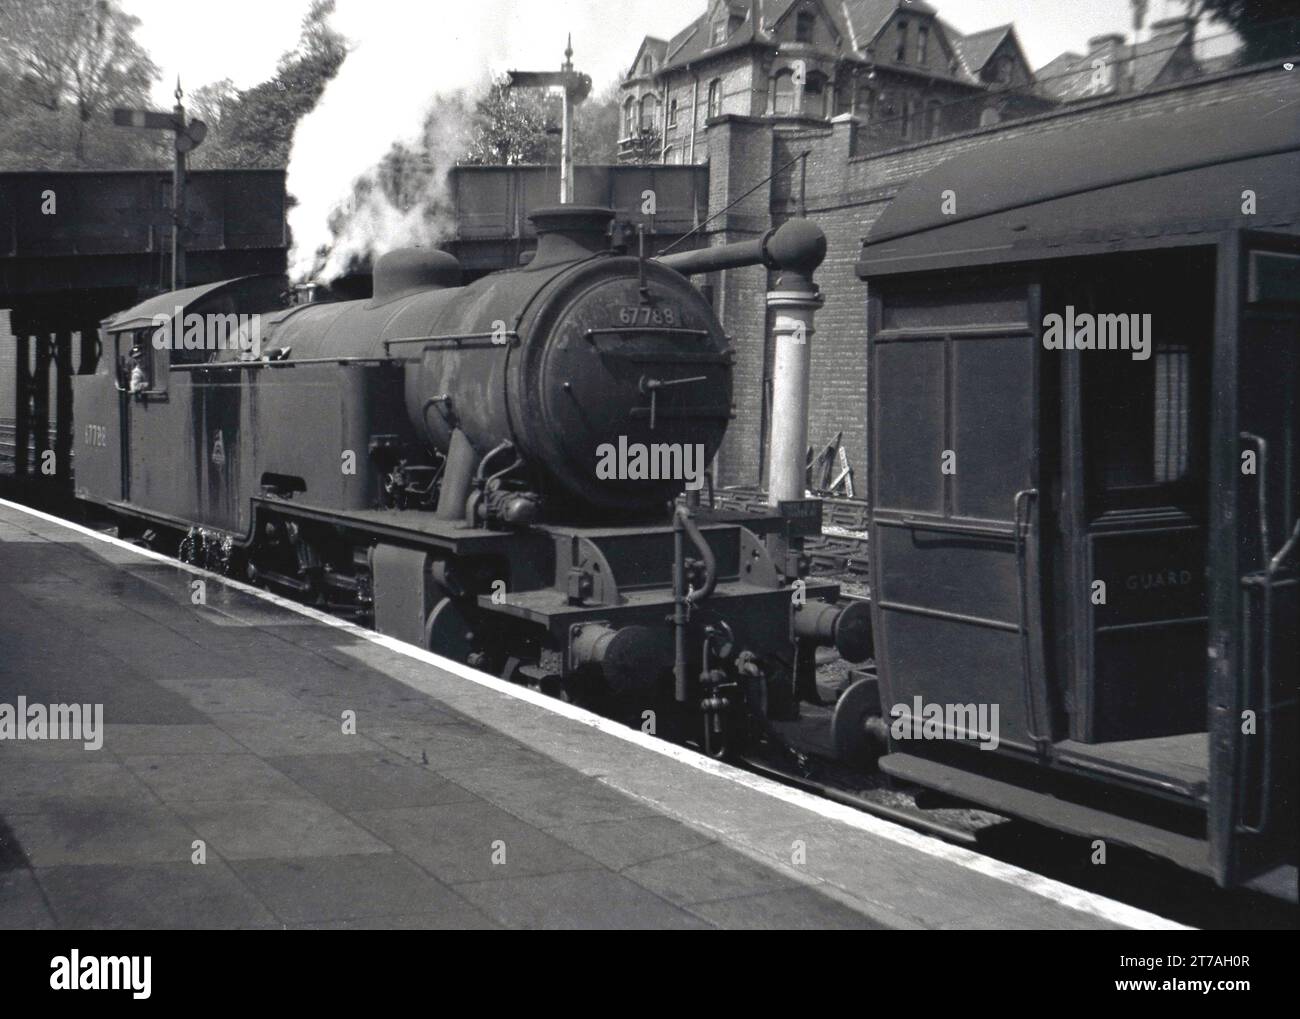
[(141, 367)]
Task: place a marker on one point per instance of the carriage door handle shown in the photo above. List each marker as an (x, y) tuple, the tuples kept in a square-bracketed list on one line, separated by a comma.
[(1261, 488), (1024, 498)]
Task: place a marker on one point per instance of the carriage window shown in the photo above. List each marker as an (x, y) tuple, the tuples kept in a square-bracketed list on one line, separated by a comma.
[(1173, 392), (1139, 421)]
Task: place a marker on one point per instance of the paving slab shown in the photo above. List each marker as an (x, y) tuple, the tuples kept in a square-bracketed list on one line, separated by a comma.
[(200, 777), (369, 781), (245, 830), (353, 888), (181, 895), (583, 900)]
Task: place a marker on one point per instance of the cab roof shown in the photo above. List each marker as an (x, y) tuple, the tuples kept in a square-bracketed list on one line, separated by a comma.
[(251, 290)]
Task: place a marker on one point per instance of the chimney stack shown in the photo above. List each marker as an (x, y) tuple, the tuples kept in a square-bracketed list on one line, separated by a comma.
[(1099, 41)]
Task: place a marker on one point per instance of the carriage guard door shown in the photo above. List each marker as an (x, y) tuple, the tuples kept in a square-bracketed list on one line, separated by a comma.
[(1254, 565), (953, 390)]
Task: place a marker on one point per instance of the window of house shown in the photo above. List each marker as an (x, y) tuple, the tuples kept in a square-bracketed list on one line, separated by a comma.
[(922, 43), (1003, 70), (866, 108), (719, 32), (803, 26), (715, 97), (815, 95), (900, 51), (783, 93), (672, 112), (843, 102), (629, 117), (646, 65), (905, 114), (933, 118), (649, 112), (887, 109)]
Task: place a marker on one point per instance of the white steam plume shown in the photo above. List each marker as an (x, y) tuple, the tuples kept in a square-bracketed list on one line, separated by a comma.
[(404, 57)]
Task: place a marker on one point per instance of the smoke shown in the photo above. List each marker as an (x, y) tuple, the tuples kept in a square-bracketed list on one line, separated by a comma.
[(410, 80)]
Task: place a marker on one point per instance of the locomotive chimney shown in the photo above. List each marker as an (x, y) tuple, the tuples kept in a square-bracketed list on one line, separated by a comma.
[(566, 233)]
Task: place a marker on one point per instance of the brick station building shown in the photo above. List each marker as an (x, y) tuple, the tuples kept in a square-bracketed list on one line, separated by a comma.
[(876, 92)]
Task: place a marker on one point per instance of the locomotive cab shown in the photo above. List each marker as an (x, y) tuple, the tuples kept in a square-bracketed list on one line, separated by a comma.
[(1085, 485)]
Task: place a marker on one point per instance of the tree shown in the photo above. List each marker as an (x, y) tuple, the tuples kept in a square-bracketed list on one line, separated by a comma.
[(1269, 29), (254, 128), (512, 126), (595, 128), (68, 63)]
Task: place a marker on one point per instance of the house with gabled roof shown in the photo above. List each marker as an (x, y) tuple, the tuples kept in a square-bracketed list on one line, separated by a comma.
[(895, 66), (1114, 67)]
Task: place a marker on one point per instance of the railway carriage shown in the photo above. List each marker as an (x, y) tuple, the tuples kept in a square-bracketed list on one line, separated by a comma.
[(1085, 482)]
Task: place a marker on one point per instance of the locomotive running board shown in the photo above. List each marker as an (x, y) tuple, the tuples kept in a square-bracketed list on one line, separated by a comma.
[(1017, 801)]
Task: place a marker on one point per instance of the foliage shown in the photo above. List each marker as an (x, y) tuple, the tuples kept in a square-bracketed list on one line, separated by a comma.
[(254, 128), (515, 126), (1262, 24), (64, 65)]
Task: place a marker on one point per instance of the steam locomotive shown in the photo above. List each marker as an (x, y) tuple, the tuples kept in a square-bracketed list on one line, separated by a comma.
[(489, 471)]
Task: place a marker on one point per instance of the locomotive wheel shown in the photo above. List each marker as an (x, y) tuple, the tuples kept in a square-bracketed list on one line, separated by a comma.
[(448, 631), (858, 703)]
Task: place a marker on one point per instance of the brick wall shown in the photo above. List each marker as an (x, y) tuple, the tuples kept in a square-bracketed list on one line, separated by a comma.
[(741, 149), (845, 195)]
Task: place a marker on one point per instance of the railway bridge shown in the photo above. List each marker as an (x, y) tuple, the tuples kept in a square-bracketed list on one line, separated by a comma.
[(76, 246)]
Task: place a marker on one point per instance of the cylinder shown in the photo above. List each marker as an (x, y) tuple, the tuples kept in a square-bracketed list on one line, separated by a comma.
[(792, 318)]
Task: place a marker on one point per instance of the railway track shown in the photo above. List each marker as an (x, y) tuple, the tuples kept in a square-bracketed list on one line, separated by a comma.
[(9, 443)]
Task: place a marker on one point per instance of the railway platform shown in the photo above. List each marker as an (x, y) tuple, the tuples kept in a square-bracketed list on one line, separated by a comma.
[(266, 766)]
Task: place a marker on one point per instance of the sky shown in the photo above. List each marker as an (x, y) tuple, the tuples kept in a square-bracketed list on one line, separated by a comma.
[(242, 39)]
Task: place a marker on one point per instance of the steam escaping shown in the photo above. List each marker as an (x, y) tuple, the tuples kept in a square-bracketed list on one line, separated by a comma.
[(404, 99)]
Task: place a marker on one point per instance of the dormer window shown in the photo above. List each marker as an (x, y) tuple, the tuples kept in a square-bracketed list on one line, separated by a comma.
[(783, 93), (922, 43), (900, 51), (719, 32), (804, 23), (647, 65)]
